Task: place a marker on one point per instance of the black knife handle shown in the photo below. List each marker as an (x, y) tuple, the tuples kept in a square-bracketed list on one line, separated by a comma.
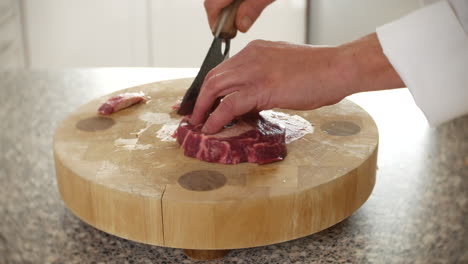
[(225, 26)]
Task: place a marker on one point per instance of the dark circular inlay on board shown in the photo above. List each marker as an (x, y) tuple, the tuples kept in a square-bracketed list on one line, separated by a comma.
[(202, 180), (340, 128), (95, 123)]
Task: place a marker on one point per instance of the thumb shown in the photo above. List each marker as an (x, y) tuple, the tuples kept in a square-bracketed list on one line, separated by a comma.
[(248, 12), (213, 7)]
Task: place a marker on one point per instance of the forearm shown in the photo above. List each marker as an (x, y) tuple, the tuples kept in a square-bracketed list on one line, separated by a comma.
[(368, 67)]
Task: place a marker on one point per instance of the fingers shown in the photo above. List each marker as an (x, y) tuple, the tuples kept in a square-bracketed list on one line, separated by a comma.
[(238, 72), (248, 12), (216, 86), (233, 105), (213, 7)]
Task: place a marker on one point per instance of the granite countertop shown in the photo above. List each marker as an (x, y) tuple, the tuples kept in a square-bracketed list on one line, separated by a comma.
[(417, 212)]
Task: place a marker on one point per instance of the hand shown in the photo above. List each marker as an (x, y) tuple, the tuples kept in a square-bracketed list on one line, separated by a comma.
[(248, 12), (266, 75)]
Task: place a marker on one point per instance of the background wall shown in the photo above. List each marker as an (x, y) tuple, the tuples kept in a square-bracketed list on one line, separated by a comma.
[(185, 37), (86, 33), (89, 33), (162, 33), (333, 22)]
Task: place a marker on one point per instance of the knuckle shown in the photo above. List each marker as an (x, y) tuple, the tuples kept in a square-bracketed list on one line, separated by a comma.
[(259, 46), (209, 92), (209, 89), (209, 76), (256, 43), (208, 4), (283, 43), (210, 80), (227, 106), (254, 48), (248, 49)]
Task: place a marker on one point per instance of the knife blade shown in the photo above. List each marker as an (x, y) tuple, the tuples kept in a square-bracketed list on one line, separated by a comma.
[(224, 30)]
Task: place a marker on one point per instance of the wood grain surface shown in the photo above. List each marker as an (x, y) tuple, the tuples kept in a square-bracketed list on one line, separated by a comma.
[(114, 174)]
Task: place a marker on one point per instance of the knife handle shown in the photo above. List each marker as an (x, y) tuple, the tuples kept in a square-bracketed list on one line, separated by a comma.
[(225, 26)]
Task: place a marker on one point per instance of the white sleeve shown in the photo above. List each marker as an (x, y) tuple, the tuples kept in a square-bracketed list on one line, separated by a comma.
[(429, 50)]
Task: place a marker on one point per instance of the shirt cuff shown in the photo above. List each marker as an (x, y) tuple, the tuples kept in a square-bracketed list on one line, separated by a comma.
[(429, 50)]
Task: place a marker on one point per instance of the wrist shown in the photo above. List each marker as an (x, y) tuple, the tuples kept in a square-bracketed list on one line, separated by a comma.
[(366, 66)]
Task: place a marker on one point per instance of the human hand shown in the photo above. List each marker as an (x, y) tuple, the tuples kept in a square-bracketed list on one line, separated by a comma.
[(266, 75), (248, 12)]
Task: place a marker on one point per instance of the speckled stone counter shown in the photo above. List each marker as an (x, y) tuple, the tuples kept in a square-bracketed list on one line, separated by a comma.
[(417, 213)]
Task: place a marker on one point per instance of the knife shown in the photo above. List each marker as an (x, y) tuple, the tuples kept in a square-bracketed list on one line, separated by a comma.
[(224, 30)]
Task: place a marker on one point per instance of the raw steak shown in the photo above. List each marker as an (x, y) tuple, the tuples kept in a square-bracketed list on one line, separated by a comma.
[(250, 138), (120, 102)]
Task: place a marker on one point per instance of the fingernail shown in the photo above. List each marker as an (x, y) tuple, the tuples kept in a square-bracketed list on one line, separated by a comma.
[(246, 23), (204, 130)]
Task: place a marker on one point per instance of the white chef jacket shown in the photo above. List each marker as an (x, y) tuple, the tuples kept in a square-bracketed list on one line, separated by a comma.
[(429, 50)]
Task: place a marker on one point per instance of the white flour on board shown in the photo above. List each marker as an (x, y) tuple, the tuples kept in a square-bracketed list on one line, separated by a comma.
[(152, 119), (296, 126), (167, 130), (155, 118), (130, 144), (107, 170)]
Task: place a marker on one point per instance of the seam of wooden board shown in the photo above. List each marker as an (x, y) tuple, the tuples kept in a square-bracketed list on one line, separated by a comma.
[(90, 217), (162, 214)]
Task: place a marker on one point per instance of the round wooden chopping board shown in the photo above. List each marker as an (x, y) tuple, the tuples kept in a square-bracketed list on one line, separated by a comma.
[(115, 174)]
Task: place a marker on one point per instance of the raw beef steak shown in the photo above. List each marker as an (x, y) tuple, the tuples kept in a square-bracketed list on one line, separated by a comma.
[(120, 102), (250, 138)]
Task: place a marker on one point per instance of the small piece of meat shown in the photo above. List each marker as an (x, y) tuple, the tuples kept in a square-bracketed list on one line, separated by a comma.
[(250, 138), (120, 102)]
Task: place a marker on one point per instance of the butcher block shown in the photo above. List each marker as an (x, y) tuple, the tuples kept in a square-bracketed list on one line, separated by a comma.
[(115, 174)]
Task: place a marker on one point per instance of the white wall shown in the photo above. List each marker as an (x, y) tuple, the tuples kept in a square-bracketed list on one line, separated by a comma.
[(337, 21), (86, 33), (163, 33), (167, 33), (184, 37)]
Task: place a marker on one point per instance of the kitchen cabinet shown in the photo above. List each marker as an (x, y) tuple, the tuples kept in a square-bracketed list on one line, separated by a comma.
[(114, 33), (66, 33)]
